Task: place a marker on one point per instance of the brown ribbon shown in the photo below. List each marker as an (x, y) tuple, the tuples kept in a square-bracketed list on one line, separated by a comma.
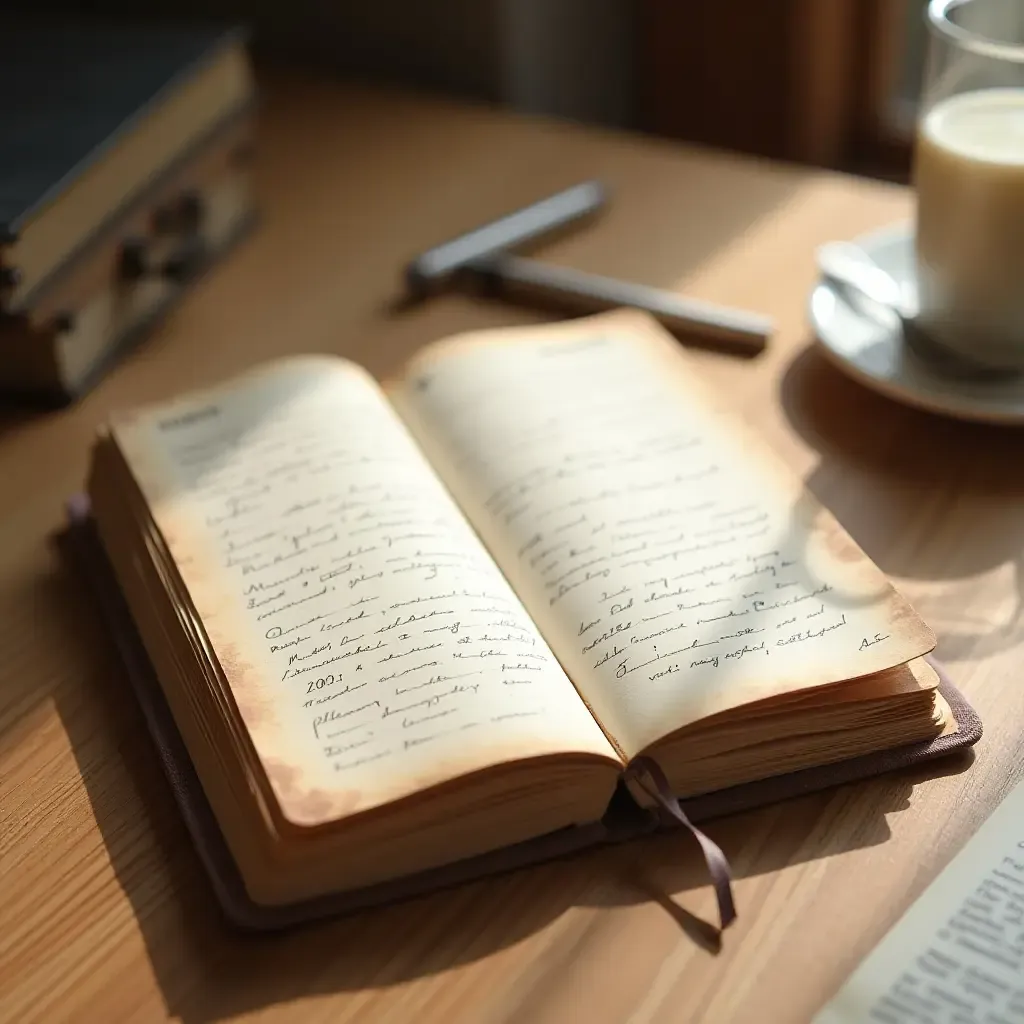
[(642, 768)]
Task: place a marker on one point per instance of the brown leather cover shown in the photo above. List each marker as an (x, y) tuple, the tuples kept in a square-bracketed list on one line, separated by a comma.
[(623, 820)]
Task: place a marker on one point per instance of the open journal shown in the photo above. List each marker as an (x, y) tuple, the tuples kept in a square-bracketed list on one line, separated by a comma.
[(398, 629)]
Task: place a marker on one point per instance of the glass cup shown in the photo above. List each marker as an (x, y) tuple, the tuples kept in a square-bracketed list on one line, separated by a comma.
[(969, 179)]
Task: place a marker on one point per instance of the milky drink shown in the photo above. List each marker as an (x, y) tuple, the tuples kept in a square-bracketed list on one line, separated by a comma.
[(969, 175)]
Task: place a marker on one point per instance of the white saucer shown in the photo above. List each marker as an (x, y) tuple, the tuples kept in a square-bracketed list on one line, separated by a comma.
[(875, 354)]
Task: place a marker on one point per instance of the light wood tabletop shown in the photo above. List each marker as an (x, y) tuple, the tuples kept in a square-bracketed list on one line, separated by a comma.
[(105, 914)]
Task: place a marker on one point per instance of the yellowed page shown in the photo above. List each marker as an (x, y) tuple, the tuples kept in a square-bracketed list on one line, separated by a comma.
[(676, 568), (371, 645), (958, 953)]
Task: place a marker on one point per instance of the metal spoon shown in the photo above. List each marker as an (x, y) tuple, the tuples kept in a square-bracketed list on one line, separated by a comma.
[(848, 267)]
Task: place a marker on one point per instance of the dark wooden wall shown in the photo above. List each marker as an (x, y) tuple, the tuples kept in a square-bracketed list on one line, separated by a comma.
[(801, 80)]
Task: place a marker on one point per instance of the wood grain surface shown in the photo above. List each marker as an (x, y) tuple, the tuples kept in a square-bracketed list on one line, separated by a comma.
[(104, 912)]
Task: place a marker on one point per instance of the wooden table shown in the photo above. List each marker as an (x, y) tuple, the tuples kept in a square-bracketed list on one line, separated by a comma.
[(106, 915)]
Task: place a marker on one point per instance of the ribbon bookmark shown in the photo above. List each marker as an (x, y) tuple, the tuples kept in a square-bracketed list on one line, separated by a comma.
[(643, 768)]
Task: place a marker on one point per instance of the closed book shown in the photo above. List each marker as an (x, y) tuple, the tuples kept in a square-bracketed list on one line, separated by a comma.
[(99, 303), (89, 117)]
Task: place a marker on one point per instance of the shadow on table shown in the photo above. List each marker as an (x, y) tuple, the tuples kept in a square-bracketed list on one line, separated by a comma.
[(207, 970), (17, 415), (928, 497)]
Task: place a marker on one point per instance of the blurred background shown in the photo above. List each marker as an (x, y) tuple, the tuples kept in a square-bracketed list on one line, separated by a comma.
[(831, 83)]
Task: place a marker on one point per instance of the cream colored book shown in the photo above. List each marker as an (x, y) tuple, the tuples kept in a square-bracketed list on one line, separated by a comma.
[(401, 628)]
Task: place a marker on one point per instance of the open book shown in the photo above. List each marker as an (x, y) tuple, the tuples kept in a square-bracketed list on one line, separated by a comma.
[(400, 629)]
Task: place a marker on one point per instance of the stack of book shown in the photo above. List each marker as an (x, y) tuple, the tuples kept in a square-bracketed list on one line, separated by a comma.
[(123, 171)]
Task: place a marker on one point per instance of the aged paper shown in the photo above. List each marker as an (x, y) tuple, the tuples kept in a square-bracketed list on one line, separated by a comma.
[(957, 956), (370, 643), (675, 567)]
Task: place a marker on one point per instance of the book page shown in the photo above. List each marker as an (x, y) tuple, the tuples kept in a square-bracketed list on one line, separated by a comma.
[(675, 566), (370, 643), (958, 953)]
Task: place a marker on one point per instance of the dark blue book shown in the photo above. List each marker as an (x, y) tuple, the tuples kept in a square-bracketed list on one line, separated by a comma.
[(89, 117)]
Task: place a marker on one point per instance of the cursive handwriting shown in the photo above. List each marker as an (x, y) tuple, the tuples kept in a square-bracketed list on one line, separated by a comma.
[(382, 624), (646, 537), (870, 642)]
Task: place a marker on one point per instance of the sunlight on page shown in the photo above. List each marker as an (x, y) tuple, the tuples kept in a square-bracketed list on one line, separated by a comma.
[(370, 643), (674, 565)]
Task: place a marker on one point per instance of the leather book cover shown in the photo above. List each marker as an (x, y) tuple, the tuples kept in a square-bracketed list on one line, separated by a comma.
[(623, 821)]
